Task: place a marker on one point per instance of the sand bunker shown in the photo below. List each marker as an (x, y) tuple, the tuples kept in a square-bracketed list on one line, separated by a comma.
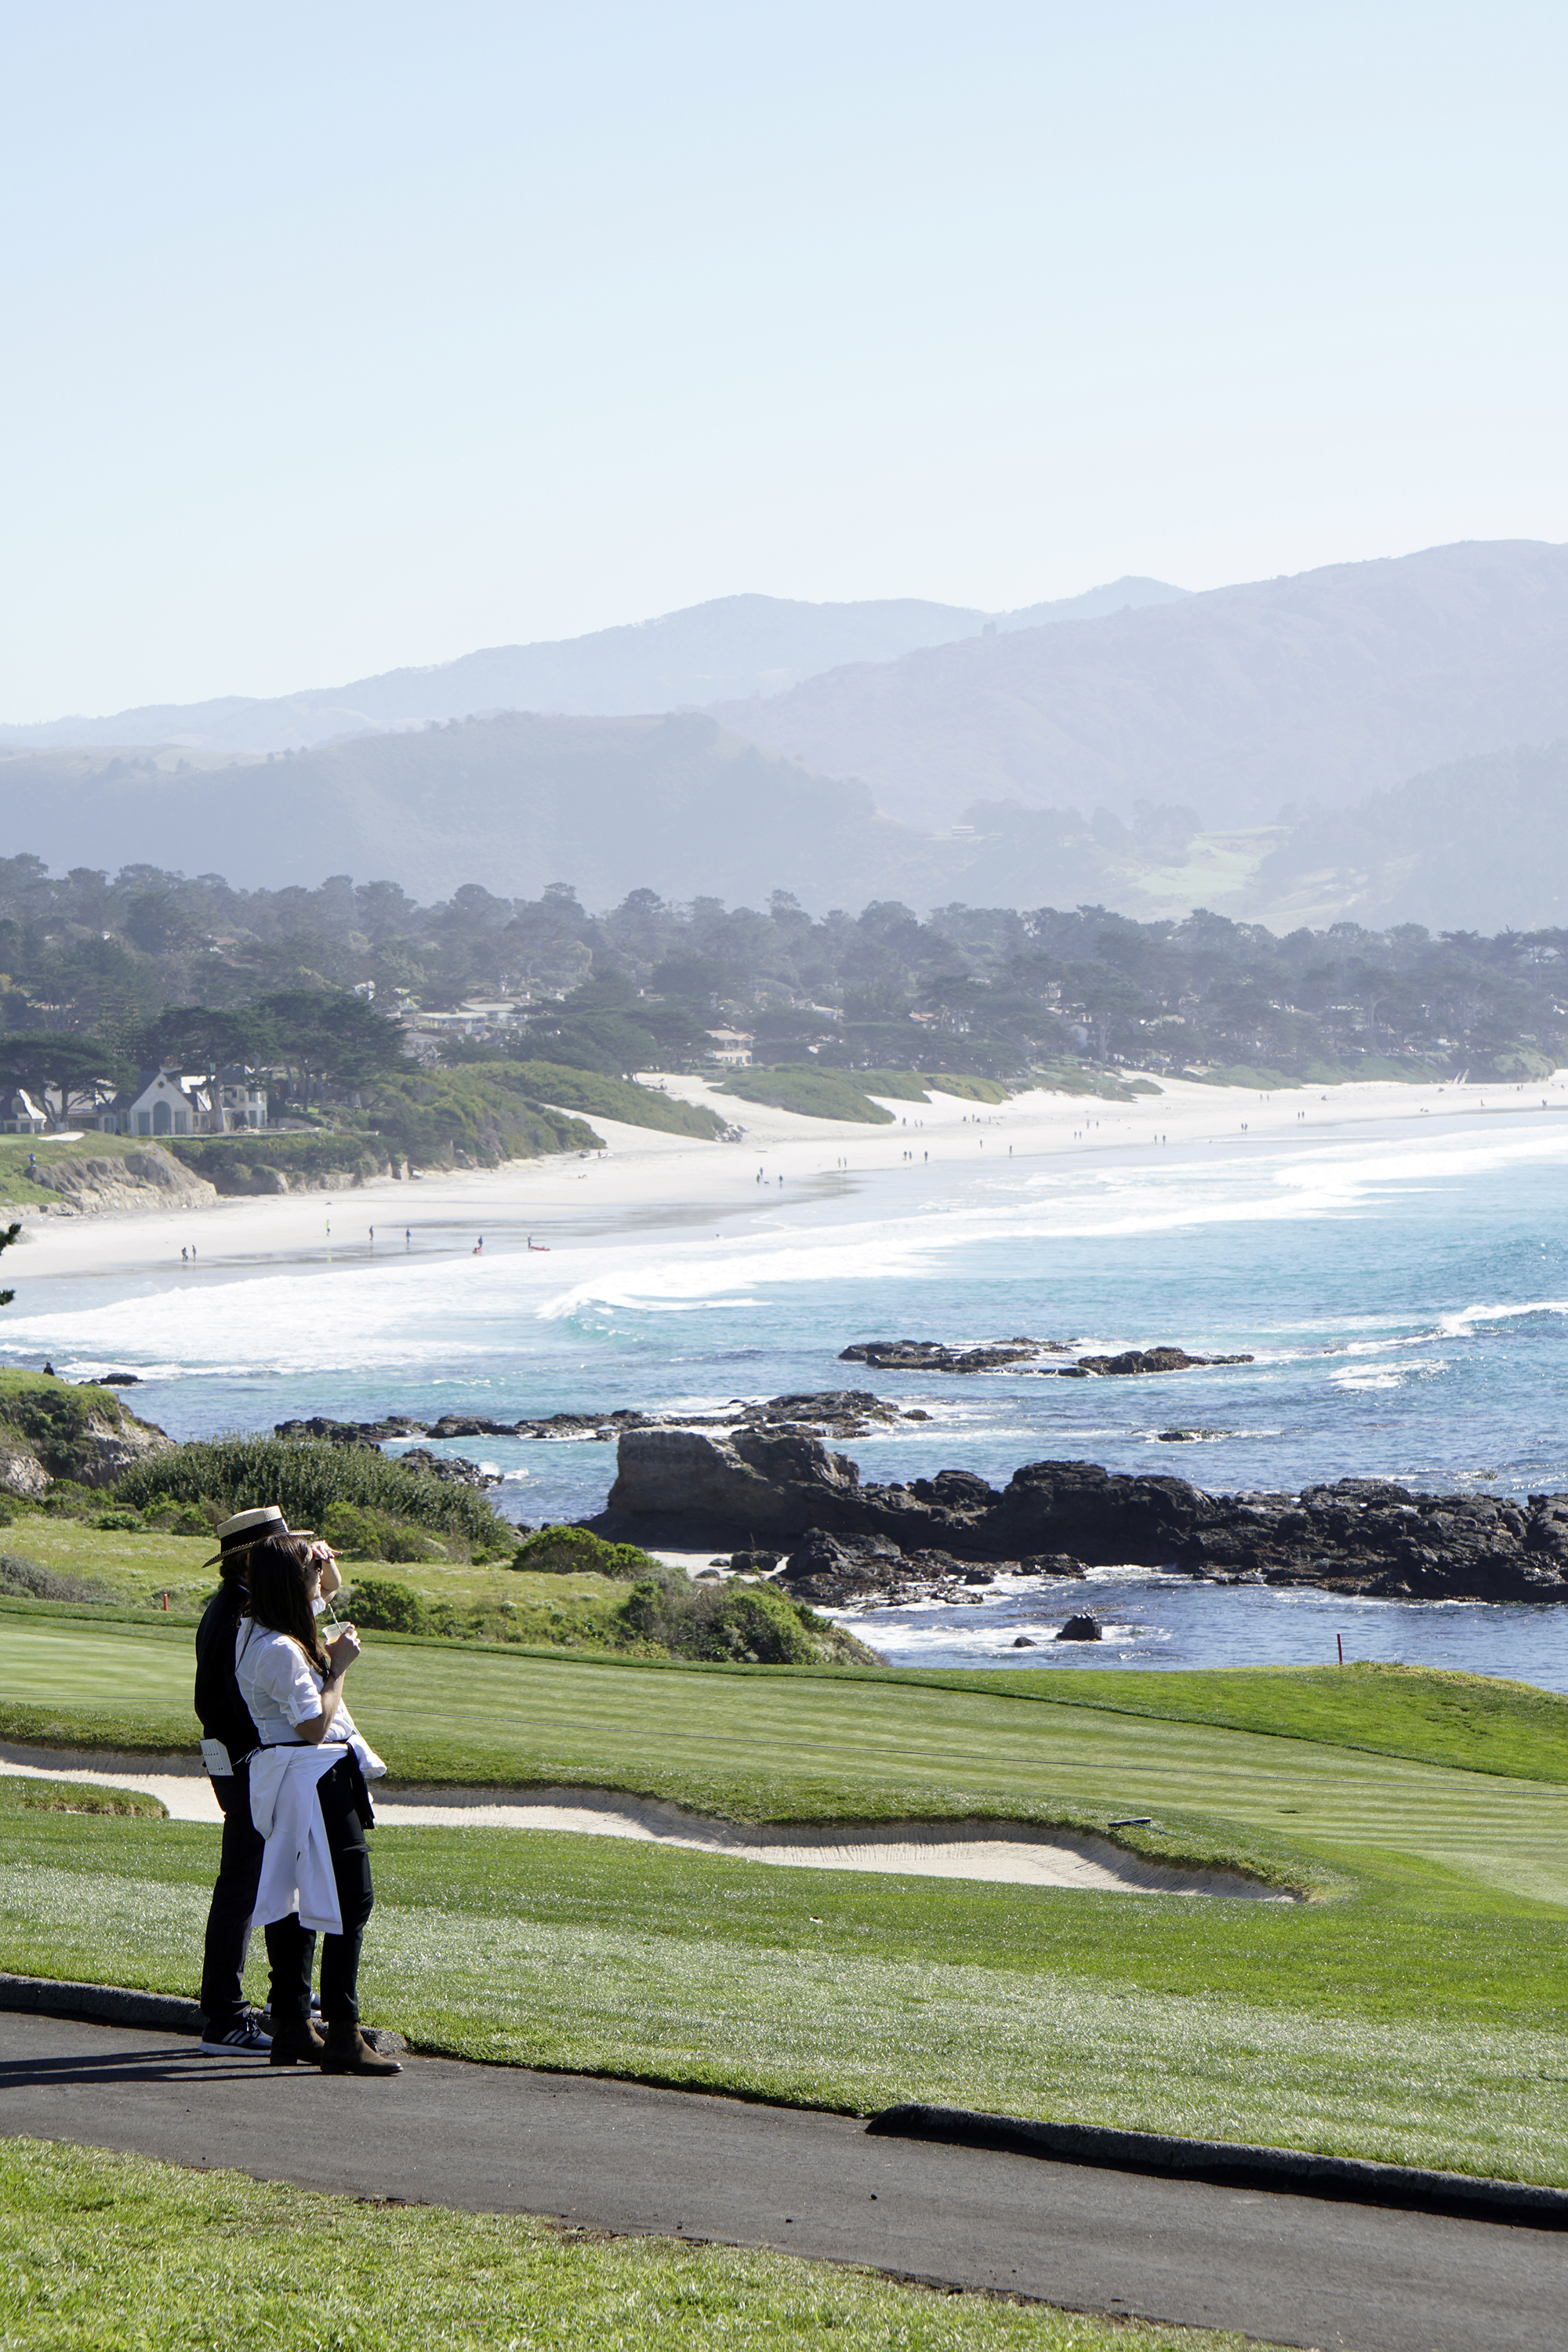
[(1011, 1853)]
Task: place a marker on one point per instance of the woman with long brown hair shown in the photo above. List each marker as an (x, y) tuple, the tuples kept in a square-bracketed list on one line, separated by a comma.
[(309, 1799)]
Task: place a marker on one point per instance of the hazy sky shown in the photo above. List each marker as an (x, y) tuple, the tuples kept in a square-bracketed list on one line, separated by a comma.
[(370, 331)]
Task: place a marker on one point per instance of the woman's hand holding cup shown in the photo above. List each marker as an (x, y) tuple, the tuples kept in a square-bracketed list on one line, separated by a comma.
[(344, 1649)]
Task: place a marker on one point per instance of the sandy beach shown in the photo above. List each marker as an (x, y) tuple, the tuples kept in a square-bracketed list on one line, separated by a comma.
[(647, 1180)]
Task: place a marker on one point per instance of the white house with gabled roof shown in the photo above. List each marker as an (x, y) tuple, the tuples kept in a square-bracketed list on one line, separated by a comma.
[(165, 1102)]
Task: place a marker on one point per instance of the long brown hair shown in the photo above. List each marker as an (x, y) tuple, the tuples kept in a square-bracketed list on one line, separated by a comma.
[(280, 1593)]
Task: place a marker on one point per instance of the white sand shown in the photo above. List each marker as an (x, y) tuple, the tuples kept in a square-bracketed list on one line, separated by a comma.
[(646, 1180), (1010, 1854)]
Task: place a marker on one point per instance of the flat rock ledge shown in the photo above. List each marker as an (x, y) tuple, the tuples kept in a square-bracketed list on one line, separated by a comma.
[(1022, 1355), (682, 1489), (833, 1413)]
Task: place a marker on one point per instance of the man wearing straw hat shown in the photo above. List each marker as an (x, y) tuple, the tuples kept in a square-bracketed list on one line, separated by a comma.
[(230, 1742)]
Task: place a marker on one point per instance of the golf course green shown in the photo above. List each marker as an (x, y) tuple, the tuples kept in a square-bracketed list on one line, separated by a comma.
[(1413, 2006)]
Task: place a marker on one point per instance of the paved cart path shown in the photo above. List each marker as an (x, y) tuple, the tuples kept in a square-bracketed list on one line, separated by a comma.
[(617, 2155)]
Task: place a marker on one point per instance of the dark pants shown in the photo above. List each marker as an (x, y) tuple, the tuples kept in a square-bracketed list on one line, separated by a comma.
[(234, 1900), (337, 1792)]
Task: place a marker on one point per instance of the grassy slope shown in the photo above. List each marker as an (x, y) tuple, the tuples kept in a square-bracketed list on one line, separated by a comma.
[(1421, 2015), (19, 1188), (134, 1570), (605, 1098), (102, 2249), (810, 1092), (1479, 1722), (826, 1093)]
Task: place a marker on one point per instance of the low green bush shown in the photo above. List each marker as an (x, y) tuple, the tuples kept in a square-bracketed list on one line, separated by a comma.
[(67, 1500), (29, 1579), (184, 1520), (576, 1552), (752, 1624), (120, 1523), (369, 1533), (305, 1478), (384, 1606)]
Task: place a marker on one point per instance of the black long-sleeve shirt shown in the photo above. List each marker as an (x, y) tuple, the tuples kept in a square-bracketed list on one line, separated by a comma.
[(223, 1714)]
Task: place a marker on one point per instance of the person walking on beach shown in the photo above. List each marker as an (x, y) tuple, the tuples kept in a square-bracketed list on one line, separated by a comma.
[(310, 1801), (230, 1741)]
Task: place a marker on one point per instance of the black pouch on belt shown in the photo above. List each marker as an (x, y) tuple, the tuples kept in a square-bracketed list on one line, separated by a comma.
[(359, 1791)]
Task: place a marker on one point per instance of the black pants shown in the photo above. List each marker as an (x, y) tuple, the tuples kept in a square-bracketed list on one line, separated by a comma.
[(338, 1794), (234, 1900)]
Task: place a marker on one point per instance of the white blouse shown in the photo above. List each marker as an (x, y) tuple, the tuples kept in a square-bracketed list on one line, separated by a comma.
[(282, 1688)]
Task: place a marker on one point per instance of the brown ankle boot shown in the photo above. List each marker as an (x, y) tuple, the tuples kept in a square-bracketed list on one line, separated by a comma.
[(294, 2041), (348, 2053)]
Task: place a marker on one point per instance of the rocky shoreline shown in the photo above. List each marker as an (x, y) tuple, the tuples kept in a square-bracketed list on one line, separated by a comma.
[(756, 1482), (843, 1542), (835, 1413)]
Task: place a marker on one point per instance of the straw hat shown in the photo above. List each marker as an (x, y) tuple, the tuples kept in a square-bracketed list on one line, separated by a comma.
[(248, 1528)]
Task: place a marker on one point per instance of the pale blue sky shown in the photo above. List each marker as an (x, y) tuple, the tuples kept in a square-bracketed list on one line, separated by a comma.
[(370, 331)]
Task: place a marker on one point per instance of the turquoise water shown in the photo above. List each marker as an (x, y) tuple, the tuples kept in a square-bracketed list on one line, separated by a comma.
[(1405, 1298)]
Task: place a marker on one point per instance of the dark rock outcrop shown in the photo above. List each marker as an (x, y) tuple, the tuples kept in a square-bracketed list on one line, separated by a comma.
[(932, 1356), (1083, 1628), (682, 1488), (322, 1429), (1136, 1360), (832, 1571), (451, 1469), (1019, 1355)]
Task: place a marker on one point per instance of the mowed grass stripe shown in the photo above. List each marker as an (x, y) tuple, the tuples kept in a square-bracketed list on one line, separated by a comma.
[(785, 1744), (829, 1991)]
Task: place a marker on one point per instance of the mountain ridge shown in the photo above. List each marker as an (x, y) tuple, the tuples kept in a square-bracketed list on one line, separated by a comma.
[(750, 645), (1316, 687)]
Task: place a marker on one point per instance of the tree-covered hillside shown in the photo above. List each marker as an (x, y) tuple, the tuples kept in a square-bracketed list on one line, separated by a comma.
[(993, 992)]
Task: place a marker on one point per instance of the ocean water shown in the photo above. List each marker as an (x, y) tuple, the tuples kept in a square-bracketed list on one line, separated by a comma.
[(1404, 1296)]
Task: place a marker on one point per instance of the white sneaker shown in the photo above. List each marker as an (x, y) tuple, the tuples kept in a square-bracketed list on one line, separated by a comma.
[(244, 2040)]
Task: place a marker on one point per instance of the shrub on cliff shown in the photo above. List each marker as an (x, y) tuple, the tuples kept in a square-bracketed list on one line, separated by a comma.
[(752, 1624), (266, 1162), (574, 1551), (463, 1119), (307, 1480)]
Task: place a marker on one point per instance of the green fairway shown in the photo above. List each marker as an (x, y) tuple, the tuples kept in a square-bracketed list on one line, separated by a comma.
[(766, 1744), (1417, 2010), (105, 2250)]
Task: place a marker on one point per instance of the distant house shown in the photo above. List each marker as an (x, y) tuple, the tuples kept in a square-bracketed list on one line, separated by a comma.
[(165, 1102), (732, 1047), (20, 1114), (244, 1096), (474, 1018)]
